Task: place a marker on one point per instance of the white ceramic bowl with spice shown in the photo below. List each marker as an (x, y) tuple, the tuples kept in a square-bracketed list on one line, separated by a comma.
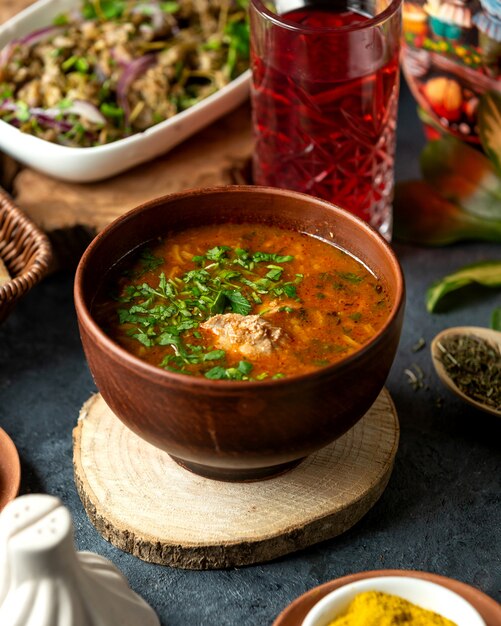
[(423, 593)]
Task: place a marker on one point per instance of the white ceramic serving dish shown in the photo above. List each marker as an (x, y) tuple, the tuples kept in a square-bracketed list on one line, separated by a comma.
[(96, 163), (425, 594)]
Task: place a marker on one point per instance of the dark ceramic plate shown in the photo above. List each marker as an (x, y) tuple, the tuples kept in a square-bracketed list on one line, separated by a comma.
[(10, 469), (295, 613)]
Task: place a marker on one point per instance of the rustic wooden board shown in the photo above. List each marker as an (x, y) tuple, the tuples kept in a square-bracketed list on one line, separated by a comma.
[(8, 8), (141, 501), (218, 155)]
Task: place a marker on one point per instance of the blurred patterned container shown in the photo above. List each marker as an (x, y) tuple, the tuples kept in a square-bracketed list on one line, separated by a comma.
[(451, 56)]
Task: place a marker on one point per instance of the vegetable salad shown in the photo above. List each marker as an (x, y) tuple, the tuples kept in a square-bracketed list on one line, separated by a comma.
[(117, 67)]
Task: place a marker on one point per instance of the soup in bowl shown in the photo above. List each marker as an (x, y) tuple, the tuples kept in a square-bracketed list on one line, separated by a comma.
[(240, 328)]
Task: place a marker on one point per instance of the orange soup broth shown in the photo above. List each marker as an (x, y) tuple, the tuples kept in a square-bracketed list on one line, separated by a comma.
[(340, 305)]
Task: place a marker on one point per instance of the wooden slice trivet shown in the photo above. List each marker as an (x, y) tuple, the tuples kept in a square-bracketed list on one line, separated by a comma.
[(143, 502)]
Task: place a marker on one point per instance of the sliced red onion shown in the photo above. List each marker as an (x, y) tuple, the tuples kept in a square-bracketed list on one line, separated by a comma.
[(44, 116), (82, 108), (28, 40), (87, 110), (158, 19), (132, 71), (39, 35), (5, 54), (51, 122), (8, 105)]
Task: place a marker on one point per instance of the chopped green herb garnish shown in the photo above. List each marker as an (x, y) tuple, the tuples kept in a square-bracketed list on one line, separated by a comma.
[(275, 272), (5, 92), (223, 280), (110, 110), (169, 7), (103, 9), (241, 372), (215, 355), (239, 304), (23, 112), (350, 277), (60, 20)]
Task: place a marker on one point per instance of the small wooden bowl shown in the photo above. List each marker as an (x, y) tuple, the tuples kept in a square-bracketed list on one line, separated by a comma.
[(10, 470), (24, 249), (492, 336)]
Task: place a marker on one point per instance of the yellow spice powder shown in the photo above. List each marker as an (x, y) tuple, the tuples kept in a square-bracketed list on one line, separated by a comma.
[(375, 608)]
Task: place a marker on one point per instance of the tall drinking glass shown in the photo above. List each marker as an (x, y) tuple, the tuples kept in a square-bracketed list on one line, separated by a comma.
[(324, 95)]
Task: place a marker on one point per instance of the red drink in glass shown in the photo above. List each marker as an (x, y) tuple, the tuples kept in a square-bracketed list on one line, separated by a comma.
[(325, 91)]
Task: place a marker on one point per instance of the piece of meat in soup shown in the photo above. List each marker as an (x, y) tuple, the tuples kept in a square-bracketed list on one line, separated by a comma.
[(251, 335)]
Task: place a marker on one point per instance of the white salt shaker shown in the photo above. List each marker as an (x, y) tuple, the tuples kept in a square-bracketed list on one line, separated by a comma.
[(45, 582)]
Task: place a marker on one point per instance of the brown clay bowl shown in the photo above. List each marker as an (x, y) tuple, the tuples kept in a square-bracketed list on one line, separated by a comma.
[(294, 614), (225, 429), (10, 469)]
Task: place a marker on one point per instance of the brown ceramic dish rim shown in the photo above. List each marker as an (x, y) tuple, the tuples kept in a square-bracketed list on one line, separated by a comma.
[(148, 371), (299, 607), (10, 479)]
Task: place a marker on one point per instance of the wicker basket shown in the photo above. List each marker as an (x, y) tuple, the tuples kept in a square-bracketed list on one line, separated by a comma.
[(24, 249)]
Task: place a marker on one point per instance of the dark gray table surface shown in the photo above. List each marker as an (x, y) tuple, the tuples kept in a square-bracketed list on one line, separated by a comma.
[(441, 511)]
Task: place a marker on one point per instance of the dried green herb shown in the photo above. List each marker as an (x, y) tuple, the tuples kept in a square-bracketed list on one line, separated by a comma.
[(415, 377), (419, 345), (474, 365)]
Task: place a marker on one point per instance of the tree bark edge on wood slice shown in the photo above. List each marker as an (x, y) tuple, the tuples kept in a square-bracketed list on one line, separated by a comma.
[(277, 537)]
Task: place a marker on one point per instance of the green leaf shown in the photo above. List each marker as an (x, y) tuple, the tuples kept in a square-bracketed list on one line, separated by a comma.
[(496, 318), (245, 367), (65, 103), (216, 373), (238, 34), (290, 291), (486, 273), (350, 277), (111, 110), (217, 253), (422, 216), (275, 272), (23, 112), (462, 175), (169, 339), (169, 7), (239, 303), (144, 339), (82, 65), (215, 355), (489, 126), (5, 91), (60, 20), (218, 304), (267, 257)]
